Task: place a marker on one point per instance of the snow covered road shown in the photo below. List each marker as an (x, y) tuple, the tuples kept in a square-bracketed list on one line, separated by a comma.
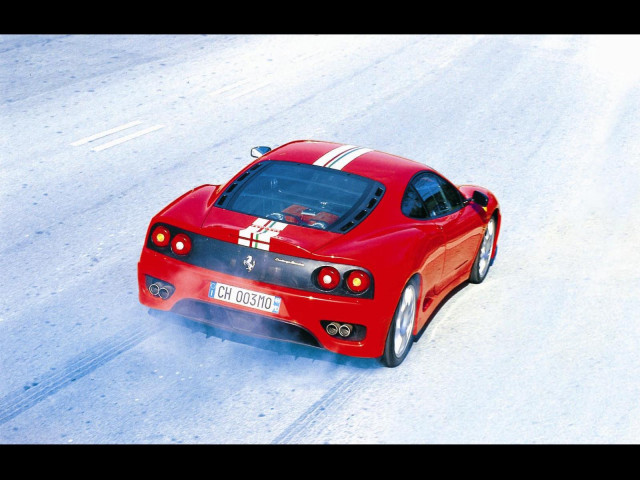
[(97, 133)]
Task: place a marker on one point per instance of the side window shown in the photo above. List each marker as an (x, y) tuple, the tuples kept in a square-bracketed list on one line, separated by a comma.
[(412, 205), (431, 193), (436, 196), (451, 193)]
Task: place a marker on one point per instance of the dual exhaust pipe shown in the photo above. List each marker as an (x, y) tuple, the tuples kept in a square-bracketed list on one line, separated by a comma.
[(159, 288), (342, 329), (159, 291)]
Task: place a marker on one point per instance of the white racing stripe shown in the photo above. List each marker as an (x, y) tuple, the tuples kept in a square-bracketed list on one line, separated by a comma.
[(331, 154), (342, 161), (339, 157), (259, 233)]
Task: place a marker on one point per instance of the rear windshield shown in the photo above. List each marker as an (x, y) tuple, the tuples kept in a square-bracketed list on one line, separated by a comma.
[(302, 194)]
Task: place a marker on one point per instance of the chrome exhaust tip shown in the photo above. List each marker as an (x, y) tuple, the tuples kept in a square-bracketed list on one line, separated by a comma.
[(333, 328), (163, 293), (154, 289), (345, 330)]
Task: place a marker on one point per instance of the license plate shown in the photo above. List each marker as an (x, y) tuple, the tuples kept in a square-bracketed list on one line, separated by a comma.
[(242, 296)]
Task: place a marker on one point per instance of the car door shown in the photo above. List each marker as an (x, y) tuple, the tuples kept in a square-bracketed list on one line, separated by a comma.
[(443, 207), (463, 230), (432, 244)]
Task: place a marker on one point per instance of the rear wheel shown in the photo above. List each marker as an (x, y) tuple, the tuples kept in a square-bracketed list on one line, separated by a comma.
[(483, 259), (400, 336)]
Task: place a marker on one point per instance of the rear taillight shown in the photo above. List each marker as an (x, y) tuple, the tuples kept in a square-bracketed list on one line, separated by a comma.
[(181, 244), (328, 278), (355, 282), (358, 281), (161, 236)]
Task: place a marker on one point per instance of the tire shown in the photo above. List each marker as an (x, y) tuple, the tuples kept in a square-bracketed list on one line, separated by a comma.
[(400, 336), (482, 262)]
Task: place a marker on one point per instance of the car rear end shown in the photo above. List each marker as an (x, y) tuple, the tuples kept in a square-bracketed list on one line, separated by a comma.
[(248, 260), (267, 293)]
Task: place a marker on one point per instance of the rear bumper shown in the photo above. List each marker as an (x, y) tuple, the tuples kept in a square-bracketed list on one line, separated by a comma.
[(299, 319)]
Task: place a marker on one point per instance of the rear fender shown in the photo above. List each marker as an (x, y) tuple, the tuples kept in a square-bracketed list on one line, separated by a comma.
[(394, 257), (189, 210)]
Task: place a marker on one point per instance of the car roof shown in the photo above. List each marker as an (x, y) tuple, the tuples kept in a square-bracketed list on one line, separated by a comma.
[(383, 167)]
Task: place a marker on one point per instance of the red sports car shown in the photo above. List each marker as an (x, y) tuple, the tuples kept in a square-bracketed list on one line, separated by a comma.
[(336, 246)]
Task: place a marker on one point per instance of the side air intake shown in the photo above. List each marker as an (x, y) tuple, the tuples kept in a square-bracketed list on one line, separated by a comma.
[(361, 215)]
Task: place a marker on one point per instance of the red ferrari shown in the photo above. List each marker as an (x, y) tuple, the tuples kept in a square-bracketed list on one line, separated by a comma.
[(336, 246)]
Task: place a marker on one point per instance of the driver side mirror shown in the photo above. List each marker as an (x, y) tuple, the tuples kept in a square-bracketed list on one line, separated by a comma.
[(257, 152), (479, 198)]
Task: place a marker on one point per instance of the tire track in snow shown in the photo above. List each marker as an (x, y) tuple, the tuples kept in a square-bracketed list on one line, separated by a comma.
[(14, 404), (312, 422)]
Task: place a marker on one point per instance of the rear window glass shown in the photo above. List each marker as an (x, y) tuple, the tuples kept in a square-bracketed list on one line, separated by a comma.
[(302, 194)]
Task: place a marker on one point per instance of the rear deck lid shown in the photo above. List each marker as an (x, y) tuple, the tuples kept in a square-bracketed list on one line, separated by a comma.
[(265, 234), (299, 205)]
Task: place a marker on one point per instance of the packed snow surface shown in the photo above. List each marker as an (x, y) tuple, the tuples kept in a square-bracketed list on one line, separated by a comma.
[(98, 133)]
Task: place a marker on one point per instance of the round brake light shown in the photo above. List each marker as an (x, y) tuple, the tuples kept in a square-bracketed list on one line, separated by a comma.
[(181, 244), (328, 278), (161, 236), (358, 281)]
